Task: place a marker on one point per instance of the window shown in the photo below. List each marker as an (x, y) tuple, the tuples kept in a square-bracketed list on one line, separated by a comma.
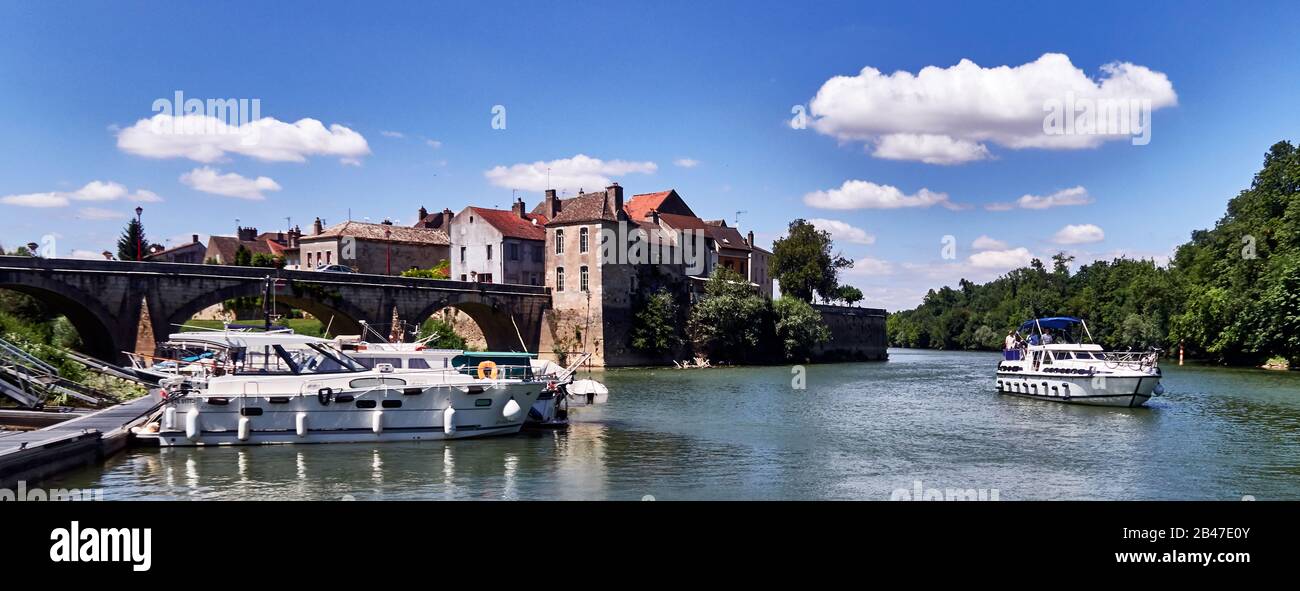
[(582, 277), (489, 252), (583, 238), (462, 254), (463, 277), (559, 242), (416, 363), (559, 279), (538, 253), (514, 251), (327, 257)]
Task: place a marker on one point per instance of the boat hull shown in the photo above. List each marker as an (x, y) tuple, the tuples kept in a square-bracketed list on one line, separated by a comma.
[(1115, 391), (362, 416)]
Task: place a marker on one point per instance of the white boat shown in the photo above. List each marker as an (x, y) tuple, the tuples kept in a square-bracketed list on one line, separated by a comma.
[(318, 394), (1048, 363)]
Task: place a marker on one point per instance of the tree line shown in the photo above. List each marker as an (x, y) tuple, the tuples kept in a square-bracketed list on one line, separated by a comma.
[(1231, 294)]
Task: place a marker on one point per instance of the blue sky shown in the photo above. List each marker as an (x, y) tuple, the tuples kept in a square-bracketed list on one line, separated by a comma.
[(641, 88)]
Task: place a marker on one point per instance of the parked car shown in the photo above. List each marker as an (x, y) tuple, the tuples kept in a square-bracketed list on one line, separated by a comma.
[(335, 269)]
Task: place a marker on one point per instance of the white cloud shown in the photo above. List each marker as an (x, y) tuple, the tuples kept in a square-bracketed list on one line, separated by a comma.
[(870, 266), (435, 144), (843, 231), (207, 139), (99, 213), (52, 199), (1071, 196), (210, 180), (93, 191), (854, 194), (929, 148), (392, 134), (86, 254), (578, 172), (1002, 259), (950, 115), (984, 242), (1079, 234), (686, 162)]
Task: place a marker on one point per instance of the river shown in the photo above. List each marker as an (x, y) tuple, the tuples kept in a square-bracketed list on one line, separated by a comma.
[(922, 420)]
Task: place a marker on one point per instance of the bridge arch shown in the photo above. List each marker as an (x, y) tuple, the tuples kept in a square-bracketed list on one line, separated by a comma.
[(341, 316), (501, 332), (104, 333)]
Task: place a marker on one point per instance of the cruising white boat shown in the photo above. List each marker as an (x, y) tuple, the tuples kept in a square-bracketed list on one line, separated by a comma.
[(318, 394), (1048, 364)]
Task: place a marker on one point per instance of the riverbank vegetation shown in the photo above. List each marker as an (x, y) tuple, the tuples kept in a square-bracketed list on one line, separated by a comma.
[(1231, 294)]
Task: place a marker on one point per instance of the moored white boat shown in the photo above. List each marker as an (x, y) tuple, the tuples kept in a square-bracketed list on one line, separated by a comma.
[(1051, 365)]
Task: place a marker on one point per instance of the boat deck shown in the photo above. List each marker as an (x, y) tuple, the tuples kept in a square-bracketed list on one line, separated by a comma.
[(33, 455)]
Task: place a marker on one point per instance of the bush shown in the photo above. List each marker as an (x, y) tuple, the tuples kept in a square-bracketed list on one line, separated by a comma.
[(799, 328), (655, 325), (732, 322)]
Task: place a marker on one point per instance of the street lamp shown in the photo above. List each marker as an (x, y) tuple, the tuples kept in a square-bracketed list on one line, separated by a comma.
[(139, 234)]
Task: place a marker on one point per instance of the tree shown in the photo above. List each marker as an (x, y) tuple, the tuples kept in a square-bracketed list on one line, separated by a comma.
[(263, 259), (133, 245), (851, 295), (799, 328), (655, 324), (730, 322), (243, 257), (443, 333), (802, 262), (442, 270)]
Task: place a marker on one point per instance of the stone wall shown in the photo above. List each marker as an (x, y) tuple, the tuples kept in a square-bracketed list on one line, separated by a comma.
[(857, 334)]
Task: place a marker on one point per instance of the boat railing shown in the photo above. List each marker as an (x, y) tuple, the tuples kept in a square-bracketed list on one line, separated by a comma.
[(1129, 359)]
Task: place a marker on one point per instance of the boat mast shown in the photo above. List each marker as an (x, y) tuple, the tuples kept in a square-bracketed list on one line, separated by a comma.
[(1085, 330)]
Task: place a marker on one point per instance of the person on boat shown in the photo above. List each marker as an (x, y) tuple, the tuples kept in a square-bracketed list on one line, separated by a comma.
[(1047, 336), (1010, 342), (1033, 339)]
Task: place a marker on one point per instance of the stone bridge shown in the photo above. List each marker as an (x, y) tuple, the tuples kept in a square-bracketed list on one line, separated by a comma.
[(121, 305)]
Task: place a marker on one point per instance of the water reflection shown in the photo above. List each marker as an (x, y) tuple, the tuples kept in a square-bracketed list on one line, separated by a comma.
[(859, 431)]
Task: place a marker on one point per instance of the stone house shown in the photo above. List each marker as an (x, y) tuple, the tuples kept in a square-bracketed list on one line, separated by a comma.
[(498, 246), (381, 249), (190, 252), (221, 249)]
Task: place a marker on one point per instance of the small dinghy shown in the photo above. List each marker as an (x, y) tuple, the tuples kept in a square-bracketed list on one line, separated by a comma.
[(588, 392)]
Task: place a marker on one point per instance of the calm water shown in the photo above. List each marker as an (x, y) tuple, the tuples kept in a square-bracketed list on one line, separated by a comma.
[(859, 431)]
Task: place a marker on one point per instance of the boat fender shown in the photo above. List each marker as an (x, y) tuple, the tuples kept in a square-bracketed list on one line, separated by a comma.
[(325, 396), (449, 420), (1160, 389), (192, 424), (511, 409), (300, 424), (169, 418), (1067, 390), (487, 365), (377, 422), (244, 428)]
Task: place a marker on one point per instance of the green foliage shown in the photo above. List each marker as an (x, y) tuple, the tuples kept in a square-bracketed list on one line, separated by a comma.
[(848, 294), (1231, 294), (802, 262), (133, 245), (655, 324), (440, 271), (731, 321), (243, 257), (263, 259), (799, 327), (444, 335)]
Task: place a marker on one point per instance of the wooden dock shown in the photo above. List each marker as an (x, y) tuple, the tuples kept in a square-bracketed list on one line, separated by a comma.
[(39, 454)]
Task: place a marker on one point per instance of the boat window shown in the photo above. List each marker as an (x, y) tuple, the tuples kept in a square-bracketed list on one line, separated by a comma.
[(371, 362), (329, 361), (1047, 357), (417, 363)]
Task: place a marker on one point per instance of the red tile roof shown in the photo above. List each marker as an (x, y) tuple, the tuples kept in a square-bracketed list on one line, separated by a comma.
[(511, 225), (587, 207), (639, 206)]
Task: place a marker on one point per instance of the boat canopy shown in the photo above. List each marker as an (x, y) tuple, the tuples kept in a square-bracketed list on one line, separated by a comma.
[(1054, 322)]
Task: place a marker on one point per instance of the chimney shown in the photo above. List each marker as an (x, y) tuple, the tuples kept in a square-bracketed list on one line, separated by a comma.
[(749, 238), (317, 228), (446, 218), (551, 205), (246, 234), (195, 237), (424, 213), (654, 216), (518, 208), (614, 198)]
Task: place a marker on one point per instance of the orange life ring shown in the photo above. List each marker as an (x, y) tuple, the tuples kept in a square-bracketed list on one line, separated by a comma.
[(488, 365)]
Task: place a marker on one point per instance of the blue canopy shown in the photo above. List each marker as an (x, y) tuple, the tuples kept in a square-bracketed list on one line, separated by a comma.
[(1055, 322)]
